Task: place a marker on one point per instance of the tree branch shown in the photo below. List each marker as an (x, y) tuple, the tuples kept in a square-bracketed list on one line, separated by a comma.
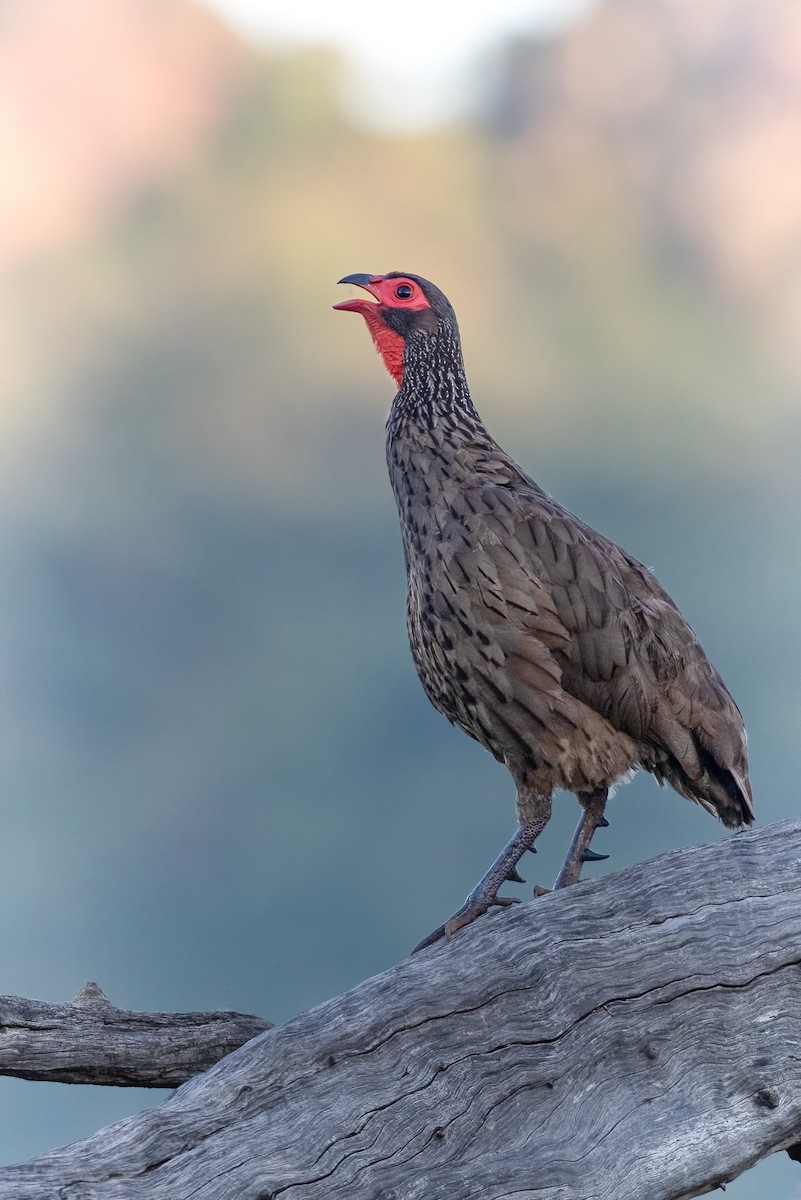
[(91, 1041), (639, 1035)]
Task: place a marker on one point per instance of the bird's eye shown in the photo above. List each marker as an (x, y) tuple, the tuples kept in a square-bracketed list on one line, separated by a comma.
[(403, 291)]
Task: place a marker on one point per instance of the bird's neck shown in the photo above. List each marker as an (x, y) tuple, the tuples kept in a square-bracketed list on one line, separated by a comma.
[(433, 399), (436, 441)]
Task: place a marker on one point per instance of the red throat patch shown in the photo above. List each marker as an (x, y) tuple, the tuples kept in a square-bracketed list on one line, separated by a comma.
[(393, 292), (388, 343)]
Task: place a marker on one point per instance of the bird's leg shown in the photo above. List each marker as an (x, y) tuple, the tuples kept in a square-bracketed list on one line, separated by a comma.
[(592, 817), (484, 895)]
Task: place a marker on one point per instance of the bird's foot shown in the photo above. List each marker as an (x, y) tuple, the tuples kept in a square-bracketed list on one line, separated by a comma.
[(485, 895), (592, 818), (470, 910)]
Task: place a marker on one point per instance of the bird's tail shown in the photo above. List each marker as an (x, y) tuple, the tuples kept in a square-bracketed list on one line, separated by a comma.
[(723, 791)]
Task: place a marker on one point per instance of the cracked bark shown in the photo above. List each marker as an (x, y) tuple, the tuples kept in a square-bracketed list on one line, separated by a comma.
[(635, 1036)]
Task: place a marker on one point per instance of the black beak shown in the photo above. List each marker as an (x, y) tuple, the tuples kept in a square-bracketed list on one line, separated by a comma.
[(362, 281), (359, 280)]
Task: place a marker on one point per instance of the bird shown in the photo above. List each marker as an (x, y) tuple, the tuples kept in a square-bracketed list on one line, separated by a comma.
[(542, 639)]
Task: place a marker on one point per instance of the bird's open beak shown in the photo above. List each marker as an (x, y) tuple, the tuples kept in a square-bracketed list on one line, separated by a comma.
[(368, 282)]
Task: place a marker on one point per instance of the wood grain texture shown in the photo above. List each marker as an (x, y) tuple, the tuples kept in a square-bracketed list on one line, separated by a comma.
[(636, 1036), (92, 1041)]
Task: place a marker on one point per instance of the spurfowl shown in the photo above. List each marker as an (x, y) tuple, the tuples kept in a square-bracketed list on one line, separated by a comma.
[(539, 637)]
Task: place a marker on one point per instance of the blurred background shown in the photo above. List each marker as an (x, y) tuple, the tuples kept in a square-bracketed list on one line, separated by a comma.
[(222, 784)]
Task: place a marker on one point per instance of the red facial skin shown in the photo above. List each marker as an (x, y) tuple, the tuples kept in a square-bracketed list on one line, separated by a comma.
[(388, 343)]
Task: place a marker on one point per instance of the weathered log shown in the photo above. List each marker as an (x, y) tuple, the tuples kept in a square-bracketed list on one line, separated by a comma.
[(92, 1041), (635, 1036)]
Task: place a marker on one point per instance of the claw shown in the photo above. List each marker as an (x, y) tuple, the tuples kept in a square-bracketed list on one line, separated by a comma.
[(541, 891), (436, 936), (591, 856), (505, 901), (603, 823), (514, 876)]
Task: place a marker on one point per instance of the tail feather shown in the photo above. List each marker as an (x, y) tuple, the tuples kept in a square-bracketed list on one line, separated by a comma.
[(736, 804), (723, 791)]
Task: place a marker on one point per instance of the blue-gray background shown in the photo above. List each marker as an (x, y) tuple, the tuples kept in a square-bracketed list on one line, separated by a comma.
[(222, 785)]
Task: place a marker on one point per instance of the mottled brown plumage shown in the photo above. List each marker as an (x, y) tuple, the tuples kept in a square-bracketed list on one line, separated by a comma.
[(539, 637)]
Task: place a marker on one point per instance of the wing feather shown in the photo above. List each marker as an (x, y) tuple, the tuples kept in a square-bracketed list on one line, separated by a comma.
[(571, 612)]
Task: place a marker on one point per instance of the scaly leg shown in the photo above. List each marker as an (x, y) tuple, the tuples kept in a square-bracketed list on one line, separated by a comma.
[(593, 804), (485, 894)]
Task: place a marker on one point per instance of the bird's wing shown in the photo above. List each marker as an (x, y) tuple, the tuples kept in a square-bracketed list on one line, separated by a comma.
[(562, 600)]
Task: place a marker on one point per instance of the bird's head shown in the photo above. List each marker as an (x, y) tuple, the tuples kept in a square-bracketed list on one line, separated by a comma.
[(405, 308)]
